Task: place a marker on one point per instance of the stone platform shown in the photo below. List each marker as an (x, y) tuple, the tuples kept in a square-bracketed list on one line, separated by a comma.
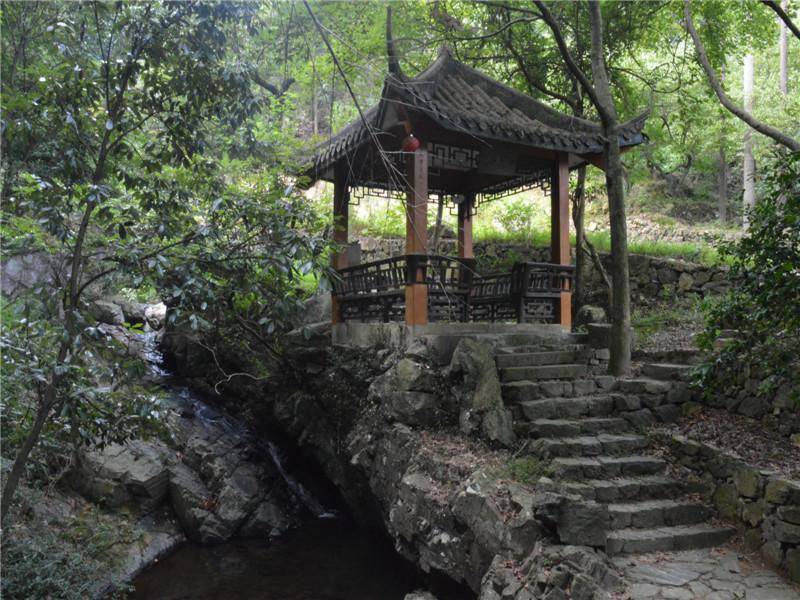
[(716, 574)]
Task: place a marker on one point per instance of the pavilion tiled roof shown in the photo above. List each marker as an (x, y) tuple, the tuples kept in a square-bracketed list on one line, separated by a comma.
[(461, 99)]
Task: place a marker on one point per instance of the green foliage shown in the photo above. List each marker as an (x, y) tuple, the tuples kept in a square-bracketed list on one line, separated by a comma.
[(100, 399), (138, 156), (527, 470), (63, 558), (762, 306)]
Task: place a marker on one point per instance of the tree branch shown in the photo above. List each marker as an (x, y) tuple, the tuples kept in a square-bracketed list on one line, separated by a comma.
[(571, 64), (742, 114), (782, 16), (272, 89)]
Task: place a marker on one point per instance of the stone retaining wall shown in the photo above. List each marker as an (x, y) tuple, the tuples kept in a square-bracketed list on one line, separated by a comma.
[(765, 503), (650, 276), (746, 392)]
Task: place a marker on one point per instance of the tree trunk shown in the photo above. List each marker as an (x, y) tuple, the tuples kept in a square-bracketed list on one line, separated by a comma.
[(783, 45), (722, 166), (47, 401), (620, 363), (578, 209), (314, 102), (748, 162), (722, 190)]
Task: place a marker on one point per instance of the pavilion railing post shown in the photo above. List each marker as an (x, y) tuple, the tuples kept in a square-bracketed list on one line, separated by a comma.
[(559, 233), (465, 208), (465, 251), (417, 236)]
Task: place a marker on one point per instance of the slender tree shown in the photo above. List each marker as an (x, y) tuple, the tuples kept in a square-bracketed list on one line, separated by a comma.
[(748, 161), (600, 95), (722, 166), (783, 50)]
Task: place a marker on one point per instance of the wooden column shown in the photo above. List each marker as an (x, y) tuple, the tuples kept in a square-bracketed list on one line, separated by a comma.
[(559, 231), (417, 234), (341, 205), (465, 226)]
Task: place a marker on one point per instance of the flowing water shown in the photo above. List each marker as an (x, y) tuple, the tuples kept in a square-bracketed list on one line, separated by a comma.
[(326, 558)]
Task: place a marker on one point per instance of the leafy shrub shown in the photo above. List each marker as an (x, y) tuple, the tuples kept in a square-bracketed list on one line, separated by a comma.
[(66, 560), (100, 399), (763, 306)]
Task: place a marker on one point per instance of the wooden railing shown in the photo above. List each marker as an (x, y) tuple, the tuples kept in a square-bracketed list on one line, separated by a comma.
[(528, 293), (375, 291)]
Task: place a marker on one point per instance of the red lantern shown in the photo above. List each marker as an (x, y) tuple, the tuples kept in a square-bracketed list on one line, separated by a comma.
[(411, 144)]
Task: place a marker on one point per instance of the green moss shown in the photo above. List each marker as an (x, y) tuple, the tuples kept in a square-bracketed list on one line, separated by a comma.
[(527, 470)]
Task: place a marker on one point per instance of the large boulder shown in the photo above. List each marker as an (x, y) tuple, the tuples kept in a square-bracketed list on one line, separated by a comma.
[(238, 495), (589, 314), (135, 473), (155, 314), (106, 311), (506, 518), (134, 312), (552, 572), (413, 408), (269, 519), (193, 504), (473, 374)]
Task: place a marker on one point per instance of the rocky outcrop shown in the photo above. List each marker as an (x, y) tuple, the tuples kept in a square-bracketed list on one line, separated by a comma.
[(209, 479), (135, 473), (396, 449), (552, 572), (473, 375), (106, 311)]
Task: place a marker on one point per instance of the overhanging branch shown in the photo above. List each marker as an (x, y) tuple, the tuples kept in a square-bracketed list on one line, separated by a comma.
[(742, 114)]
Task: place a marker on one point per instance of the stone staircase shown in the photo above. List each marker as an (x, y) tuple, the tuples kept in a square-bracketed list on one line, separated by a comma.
[(588, 427)]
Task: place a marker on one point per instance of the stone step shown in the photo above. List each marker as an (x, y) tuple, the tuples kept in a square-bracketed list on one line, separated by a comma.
[(529, 349), (606, 467), (665, 539), (566, 371), (643, 385), (533, 359), (519, 391), (650, 514), (588, 445), (624, 489), (570, 428), (547, 337), (567, 408), (667, 371)]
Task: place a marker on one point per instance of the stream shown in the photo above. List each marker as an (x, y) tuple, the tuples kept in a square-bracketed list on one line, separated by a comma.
[(327, 557)]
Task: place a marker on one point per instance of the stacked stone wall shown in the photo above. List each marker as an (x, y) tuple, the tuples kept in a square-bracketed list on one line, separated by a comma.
[(751, 393), (765, 503)]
